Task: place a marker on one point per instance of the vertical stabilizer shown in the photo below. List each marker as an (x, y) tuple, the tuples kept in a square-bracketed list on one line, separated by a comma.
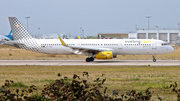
[(10, 33), (19, 32), (10, 36), (21, 35)]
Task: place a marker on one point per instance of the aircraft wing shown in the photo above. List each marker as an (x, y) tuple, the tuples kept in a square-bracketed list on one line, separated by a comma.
[(85, 49), (13, 43)]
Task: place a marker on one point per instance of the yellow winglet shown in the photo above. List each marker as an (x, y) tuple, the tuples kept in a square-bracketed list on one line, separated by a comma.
[(79, 37), (63, 43)]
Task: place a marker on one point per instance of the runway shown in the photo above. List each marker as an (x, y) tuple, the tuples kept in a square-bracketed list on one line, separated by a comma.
[(95, 63)]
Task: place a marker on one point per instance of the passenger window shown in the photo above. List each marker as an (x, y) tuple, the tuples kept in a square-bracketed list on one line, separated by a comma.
[(164, 44)]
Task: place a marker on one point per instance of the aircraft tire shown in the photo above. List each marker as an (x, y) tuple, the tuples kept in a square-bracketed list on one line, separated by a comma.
[(88, 59), (91, 59), (154, 60)]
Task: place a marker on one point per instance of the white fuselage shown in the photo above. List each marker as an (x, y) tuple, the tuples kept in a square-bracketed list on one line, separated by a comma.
[(117, 46), (102, 48)]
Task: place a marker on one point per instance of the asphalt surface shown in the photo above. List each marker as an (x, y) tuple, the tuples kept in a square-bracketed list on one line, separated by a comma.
[(96, 62)]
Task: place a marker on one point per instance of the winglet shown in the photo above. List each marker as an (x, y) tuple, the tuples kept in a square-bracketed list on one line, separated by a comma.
[(79, 37), (63, 43)]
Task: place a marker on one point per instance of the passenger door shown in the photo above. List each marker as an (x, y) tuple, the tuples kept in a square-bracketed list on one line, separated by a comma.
[(120, 45), (78, 44)]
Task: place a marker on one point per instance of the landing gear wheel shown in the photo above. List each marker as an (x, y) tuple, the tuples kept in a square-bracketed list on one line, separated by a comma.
[(88, 59), (154, 60), (91, 59)]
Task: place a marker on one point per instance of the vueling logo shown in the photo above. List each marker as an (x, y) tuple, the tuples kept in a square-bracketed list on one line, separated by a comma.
[(145, 41), (17, 25)]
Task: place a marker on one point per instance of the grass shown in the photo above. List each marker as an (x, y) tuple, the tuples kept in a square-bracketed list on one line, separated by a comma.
[(12, 53), (120, 78), (50, 81), (19, 84)]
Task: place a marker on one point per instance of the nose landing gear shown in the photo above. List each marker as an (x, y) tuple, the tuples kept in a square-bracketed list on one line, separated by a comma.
[(89, 59), (154, 59)]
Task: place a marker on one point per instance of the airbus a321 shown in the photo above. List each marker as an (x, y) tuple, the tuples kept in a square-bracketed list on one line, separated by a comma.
[(92, 48)]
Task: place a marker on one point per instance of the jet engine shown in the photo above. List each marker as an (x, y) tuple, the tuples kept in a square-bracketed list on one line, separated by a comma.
[(105, 55)]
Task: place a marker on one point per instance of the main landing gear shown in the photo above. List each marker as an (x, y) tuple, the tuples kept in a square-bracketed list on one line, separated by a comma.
[(89, 59), (154, 59)]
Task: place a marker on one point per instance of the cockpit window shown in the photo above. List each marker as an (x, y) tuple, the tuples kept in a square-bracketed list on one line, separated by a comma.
[(163, 44)]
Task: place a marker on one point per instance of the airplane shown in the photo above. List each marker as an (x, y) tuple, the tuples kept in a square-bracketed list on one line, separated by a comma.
[(93, 48), (4, 38)]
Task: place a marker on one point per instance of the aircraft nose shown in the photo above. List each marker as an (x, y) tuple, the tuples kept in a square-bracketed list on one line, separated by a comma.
[(171, 49)]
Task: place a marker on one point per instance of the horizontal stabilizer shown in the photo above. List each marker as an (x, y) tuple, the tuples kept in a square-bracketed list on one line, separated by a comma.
[(13, 43)]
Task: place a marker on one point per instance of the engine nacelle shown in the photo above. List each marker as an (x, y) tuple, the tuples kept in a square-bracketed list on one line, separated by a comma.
[(104, 55)]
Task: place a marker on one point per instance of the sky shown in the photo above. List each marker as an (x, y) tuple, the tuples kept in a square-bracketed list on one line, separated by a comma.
[(93, 16)]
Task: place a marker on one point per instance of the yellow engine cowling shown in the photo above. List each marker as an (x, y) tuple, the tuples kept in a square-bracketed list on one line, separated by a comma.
[(104, 55)]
